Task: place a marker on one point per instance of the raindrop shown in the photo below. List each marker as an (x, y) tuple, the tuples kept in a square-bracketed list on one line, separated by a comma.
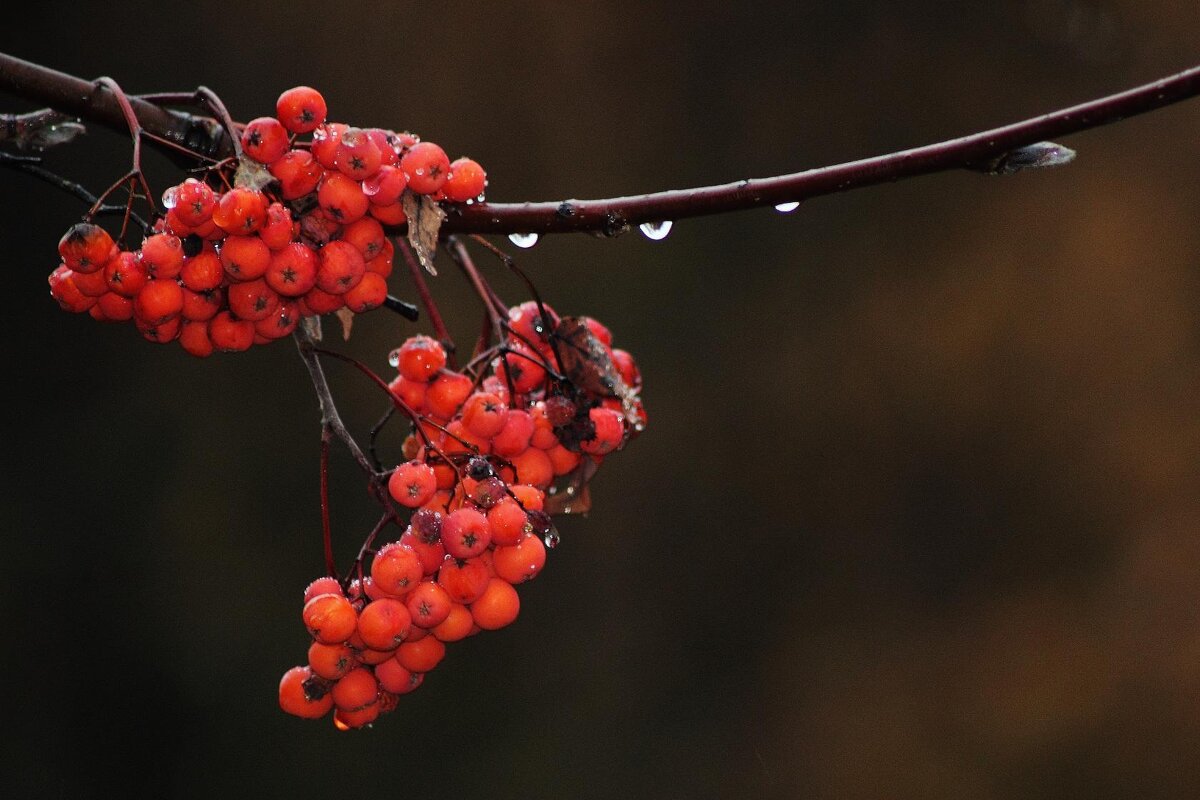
[(168, 198), (552, 539), (787, 208), (525, 240), (394, 358), (656, 231)]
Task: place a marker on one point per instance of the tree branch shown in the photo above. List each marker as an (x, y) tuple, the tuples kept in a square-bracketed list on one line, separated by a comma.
[(991, 150)]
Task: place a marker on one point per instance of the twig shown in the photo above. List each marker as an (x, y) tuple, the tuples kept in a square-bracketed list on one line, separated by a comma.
[(435, 317), (33, 167), (612, 216)]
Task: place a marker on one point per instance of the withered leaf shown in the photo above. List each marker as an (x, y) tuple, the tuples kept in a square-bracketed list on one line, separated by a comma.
[(425, 219), (587, 364), (346, 316)]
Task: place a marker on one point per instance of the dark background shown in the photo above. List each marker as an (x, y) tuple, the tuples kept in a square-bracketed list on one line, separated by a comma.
[(916, 514)]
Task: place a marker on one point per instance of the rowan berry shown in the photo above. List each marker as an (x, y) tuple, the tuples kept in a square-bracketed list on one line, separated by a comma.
[(382, 264), (466, 181), (66, 293), (330, 618), (241, 211), (531, 498), (159, 332), (162, 255), (357, 156), (484, 414), (356, 689), (86, 247), (393, 677), (426, 525), (431, 554), (428, 604), (388, 144), (367, 236), (325, 140), (201, 306), (342, 198), (530, 324), (264, 139), (385, 186), (383, 624), (341, 267), (412, 393), (325, 585), (610, 430), (421, 656), (194, 203), (116, 308), (322, 302), (94, 284), (426, 166), (293, 270), (330, 661), (465, 533), (158, 301), (396, 569), (281, 323), (562, 460), (368, 294), (533, 467), (301, 695), (448, 391), (463, 579), (390, 214), (420, 358), (298, 174), (520, 562), (513, 438), (229, 333), (361, 718), (245, 257), (202, 272), (193, 337), (497, 607), (252, 300), (628, 368), (456, 626), (301, 109), (412, 484), (279, 228)]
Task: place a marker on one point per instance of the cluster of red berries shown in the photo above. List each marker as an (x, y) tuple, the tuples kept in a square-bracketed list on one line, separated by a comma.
[(484, 456), (300, 232)]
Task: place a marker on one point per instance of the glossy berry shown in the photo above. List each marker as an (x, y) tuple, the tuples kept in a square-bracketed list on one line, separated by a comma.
[(383, 624), (396, 569), (465, 533), (330, 618), (86, 247), (466, 182), (264, 139), (302, 696), (301, 109), (426, 166), (497, 606), (420, 358), (412, 484)]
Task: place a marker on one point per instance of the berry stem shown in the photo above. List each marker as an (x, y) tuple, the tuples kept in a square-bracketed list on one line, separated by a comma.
[(435, 317), (33, 167), (326, 534), (987, 151)]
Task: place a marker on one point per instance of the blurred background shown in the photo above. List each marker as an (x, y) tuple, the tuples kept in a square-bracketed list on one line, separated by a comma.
[(916, 514)]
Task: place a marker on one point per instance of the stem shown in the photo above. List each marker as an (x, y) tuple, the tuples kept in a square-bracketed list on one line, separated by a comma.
[(611, 216), (330, 419), (326, 534), (435, 317)]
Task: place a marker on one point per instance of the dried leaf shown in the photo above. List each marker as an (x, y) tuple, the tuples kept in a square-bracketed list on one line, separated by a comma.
[(346, 316), (587, 364), (252, 175), (425, 219), (575, 497)]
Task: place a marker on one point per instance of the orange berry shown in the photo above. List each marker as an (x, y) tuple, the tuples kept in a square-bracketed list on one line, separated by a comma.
[(421, 656), (330, 661), (520, 562), (456, 626), (356, 689), (428, 604), (497, 606), (384, 623), (301, 695), (330, 618)]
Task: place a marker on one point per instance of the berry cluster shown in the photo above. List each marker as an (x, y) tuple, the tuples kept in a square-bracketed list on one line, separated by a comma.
[(295, 231), (485, 452)]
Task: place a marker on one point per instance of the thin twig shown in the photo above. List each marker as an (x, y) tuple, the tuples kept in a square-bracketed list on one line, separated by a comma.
[(435, 317)]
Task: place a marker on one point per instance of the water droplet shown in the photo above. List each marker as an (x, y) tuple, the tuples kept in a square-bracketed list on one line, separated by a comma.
[(787, 208), (656, 231), (168, 198), (394, 358), (525, 240), (639, 426), (571, 491), (552, 539)]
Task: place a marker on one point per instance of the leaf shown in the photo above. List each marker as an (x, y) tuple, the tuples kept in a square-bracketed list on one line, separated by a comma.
[(346, 316), (312, 326), (252, 175), (425, 219), (587, 364)]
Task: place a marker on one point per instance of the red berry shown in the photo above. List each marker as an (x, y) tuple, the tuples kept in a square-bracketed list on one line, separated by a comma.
[(396, 569), (464, 580), (357, 155), (412, 484), (484, 414), (298, 173), (426, 166), (245, 257), (293, 270), (162, 255), (368, 294), (86, 247), (497, 606), (241, 211), (252, 300), (301, 695), (384, 623), (264, 139), (466, 182), (158, 301), (385, 186), (342, 198), (423, 655), (610, 429), (325, 140), (330, 618), (301, 109), (341, 268), (428, 604), (356, 689), (193, 337), (420, 358), (522, 561), (230, 334), (194, 202)]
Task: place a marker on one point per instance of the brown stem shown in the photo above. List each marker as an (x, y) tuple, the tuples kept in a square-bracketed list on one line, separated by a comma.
[(614, 215), (435, 317), (326, 533)]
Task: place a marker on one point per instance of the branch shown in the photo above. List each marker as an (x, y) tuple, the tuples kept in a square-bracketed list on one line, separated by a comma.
[(1000, 150)]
